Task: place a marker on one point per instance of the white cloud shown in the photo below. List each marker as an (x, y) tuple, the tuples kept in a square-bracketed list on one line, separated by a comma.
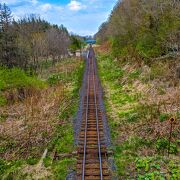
[(18, 1), (70, 15), (46, 7), (76, 6), (9, 1), (58, 8), (34, 1)]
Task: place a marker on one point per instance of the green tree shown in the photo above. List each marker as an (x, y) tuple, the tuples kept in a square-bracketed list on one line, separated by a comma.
[(76, 43), (7, 39), (148, 28)]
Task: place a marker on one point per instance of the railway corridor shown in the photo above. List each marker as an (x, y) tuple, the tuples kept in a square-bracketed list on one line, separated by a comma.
[(92, 161)]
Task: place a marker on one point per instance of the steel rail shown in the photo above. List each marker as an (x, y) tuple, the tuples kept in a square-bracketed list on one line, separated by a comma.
[(85, 132), (97, 120)]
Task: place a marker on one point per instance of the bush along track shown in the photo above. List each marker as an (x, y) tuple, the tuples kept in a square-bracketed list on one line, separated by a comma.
[(138, 116), (14, 82), (47, 153)]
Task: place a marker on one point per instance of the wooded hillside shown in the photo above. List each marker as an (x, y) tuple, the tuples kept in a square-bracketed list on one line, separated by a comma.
[(26, 42), (145, 28), (139, 67)]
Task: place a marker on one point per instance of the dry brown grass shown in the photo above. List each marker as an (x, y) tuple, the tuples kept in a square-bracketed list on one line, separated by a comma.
[(28, 125), (103, 48), (31, 123), (159, 93)]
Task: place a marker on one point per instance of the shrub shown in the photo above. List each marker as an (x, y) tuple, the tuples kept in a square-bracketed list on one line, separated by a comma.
[(16, 78), (147, 45), (161, 144)]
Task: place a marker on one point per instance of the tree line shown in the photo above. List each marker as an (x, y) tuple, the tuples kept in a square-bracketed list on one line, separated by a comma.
[(26, 42), (148, 28)]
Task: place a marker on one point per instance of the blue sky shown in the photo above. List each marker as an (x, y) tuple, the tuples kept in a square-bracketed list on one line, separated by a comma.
[(82, 17)]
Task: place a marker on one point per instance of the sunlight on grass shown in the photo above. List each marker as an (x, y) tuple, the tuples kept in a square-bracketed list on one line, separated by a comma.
[(130, 118)]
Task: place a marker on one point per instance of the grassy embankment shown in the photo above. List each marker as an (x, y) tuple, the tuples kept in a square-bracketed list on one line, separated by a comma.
[(139, 101), (36, 115)]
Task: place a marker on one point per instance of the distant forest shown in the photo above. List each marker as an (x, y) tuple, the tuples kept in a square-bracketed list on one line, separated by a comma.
[(147, 29), (26, 42)]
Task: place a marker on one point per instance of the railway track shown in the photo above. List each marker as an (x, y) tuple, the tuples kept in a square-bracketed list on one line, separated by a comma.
[(92, 161)]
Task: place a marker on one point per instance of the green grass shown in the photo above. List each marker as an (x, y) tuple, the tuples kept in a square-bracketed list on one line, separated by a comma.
[(164, 117), (125, 111), (150, 168), (62, 141), (9, 169), (111, 76), (3, 100), (16, 78), (60, 168)]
